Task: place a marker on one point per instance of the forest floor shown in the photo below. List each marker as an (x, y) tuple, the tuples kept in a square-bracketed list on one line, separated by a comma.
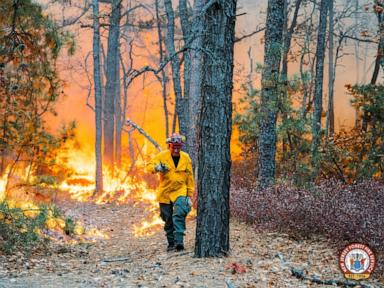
[(124, 260)]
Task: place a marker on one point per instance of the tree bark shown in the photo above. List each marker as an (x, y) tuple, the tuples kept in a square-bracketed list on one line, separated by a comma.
[(357, 60), (163, 75), (212, 230), (308, 84), (318, 96), (186, 29), (196, 77), (118, 116), (170, 43), (380, 18), (270, 92), (98, 100), (112, 81), (287, 36), (330, 127), (379, 61)]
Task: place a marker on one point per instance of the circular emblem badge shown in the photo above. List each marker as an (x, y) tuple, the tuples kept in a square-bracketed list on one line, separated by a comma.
[(357, 261)]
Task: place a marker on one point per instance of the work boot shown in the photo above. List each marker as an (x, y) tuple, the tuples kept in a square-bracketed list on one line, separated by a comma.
[(171, 247), (179, 247)]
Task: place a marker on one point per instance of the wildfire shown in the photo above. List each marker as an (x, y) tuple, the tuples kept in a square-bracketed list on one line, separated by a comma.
[(3, 185), (16, 197), (119, 188)]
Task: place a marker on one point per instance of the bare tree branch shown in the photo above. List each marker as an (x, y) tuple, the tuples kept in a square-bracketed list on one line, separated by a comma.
[(134, 8), (74, 20), (249, 35), (357, 39), (142, 132)]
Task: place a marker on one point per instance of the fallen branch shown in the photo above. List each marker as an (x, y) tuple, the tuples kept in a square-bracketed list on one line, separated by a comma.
[(179, 254), (142, 132), (116, 260), (299, 274)]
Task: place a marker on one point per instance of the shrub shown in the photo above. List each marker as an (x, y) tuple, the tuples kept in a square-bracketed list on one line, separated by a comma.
[(342, 213), (17, 231)]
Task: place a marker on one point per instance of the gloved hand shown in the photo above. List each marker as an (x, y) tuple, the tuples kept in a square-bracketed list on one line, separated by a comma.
[(161, 168), (189, 201)]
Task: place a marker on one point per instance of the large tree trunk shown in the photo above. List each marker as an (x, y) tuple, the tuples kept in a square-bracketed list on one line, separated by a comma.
[(330, 127), (112, 81), (195, 83), (170, 43), (212, 230), (186, 29), (98, 100), (270, 92), (163, 74), (318, 96)]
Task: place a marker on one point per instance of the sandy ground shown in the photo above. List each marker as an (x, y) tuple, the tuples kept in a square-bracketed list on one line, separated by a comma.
[(124, 260)]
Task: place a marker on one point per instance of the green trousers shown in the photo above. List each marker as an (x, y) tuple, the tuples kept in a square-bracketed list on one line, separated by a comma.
[(174, 215)]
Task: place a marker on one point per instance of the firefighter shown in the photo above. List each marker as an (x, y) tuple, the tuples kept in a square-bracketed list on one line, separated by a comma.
[(175, 190)]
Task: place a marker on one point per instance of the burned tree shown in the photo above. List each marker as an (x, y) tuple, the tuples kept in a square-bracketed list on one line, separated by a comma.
[(98, 100), (212, 231), (195, 81), (170, 43), (112, 83)]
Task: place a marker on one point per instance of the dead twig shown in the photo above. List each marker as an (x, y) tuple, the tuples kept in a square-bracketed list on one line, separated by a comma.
[(177, 254), (142, 132), (124, 259)]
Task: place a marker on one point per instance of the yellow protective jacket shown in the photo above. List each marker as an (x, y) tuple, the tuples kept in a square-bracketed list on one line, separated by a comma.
[(177, 181)]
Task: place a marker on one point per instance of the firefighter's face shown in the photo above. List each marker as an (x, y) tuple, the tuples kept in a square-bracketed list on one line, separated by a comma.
[(175, 149)]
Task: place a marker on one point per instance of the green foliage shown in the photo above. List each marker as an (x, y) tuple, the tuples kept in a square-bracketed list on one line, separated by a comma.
[(29, 85), (17, 231), (358, 154), (293, 131), (56, 212), (70, 225), (247, 120), (349, 156)]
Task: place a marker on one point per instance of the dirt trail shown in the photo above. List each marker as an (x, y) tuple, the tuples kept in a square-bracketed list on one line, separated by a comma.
[(143, 261)]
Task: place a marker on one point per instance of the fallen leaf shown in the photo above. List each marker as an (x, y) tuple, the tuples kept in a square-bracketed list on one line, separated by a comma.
[(235, 268)]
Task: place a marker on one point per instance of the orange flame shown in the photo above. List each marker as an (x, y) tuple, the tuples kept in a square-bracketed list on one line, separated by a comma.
[(54, 225), (3, 184), (119, 189)]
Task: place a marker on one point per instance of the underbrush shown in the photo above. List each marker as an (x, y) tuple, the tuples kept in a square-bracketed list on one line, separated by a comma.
[(343, 213), (23, 230), (18, 231)]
